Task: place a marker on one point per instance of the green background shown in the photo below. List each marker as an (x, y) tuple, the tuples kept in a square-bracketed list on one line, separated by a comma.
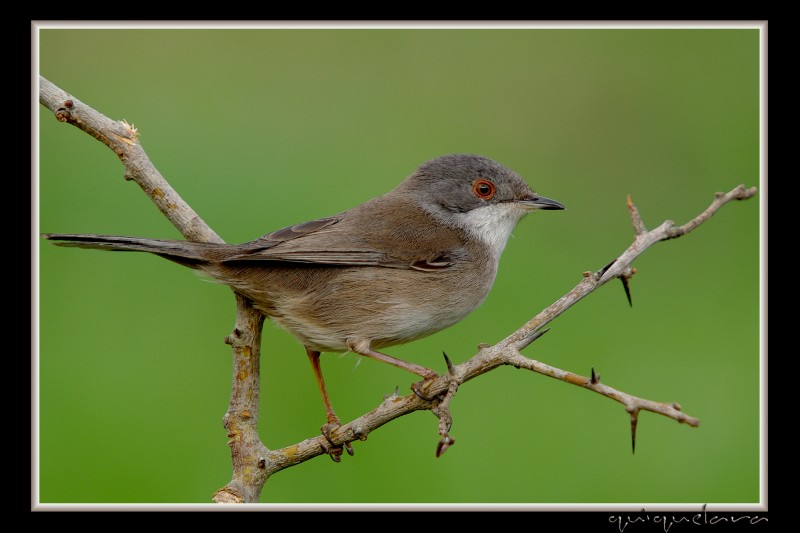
[(263, 128)]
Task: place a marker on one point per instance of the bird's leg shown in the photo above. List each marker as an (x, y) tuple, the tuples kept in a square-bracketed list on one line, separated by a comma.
[(333, 421), (313, 356), (362, 347)]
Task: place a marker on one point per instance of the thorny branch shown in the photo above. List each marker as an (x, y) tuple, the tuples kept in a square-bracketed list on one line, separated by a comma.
[(253, 463)]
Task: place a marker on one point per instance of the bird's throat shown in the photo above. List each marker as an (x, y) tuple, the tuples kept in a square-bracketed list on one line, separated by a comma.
[(491, 224)]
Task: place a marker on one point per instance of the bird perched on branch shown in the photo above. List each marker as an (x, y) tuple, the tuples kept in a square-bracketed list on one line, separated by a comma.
[(394, 269)]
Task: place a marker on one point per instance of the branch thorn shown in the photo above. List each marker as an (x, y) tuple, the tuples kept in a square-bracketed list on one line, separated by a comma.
[(624, 279), (603, 270), (528, 340), (634, 421), (449, 364), (595, 377)]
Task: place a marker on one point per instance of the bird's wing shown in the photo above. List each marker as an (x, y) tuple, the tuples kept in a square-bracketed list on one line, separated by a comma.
[(333, 241)]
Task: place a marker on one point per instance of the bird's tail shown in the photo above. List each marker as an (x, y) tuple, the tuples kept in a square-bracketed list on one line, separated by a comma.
[(186, 253)]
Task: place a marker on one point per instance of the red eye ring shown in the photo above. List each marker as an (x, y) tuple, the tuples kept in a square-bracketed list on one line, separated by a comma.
[(483, 189)]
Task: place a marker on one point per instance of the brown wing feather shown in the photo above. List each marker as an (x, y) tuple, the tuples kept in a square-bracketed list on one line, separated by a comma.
[(340, 240)]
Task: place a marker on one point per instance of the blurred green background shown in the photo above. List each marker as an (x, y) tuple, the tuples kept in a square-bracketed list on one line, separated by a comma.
[(259, 129)]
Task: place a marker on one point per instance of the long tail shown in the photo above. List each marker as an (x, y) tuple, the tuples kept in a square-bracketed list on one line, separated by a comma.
[(186, 253)]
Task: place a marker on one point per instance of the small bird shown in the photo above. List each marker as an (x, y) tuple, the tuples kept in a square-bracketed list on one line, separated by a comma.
[(394, 269)]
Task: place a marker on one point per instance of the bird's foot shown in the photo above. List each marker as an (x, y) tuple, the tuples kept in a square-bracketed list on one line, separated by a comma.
[(420, 388), (335, 451)]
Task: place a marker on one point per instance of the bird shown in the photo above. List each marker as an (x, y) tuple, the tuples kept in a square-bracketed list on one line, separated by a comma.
[(394, 269)]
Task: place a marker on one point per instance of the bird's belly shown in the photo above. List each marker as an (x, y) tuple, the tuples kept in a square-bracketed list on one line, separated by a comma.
[(327, 306)]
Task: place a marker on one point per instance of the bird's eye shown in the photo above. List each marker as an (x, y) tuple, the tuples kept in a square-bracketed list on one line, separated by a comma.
[(483, 189)]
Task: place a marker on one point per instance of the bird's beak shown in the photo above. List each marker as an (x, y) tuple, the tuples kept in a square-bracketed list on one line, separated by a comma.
[(540, 202)]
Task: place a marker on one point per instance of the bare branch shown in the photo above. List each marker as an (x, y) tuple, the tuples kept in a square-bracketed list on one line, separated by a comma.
[(253, 463), (241, 419), (122, 138), (636, 219), (631, 403), (621, 266), (739, 193), (442, 410)]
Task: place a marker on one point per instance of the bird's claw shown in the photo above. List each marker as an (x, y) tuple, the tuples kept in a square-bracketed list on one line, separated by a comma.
[(332, 449), (418, 387)]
